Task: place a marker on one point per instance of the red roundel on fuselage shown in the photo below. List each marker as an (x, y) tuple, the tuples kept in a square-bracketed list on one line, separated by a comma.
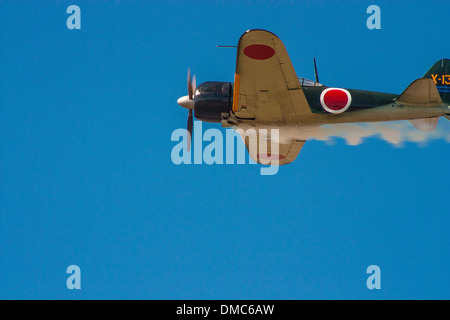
[(259, 52), (335, 100)]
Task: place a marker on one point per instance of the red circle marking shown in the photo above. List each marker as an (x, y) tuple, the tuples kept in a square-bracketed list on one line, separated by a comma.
[(335, 99), (259, 52), (271, 156)]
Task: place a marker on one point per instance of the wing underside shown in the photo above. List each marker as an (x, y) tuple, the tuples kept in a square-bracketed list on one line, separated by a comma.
[(265, 147)]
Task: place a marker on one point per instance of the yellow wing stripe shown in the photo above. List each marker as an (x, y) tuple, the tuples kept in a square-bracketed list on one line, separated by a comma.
[(237, 79)]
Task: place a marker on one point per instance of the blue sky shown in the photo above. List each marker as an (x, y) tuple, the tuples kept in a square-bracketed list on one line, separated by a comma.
[(87, 179)]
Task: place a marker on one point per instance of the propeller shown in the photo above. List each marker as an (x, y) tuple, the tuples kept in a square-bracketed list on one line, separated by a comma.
[(188, 103), (190, 128)]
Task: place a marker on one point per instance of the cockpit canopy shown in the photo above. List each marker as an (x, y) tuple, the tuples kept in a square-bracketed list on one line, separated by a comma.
[(309, 83)]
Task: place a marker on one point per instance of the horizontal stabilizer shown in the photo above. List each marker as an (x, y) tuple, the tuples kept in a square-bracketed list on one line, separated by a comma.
[(428, 124), (421, 91)]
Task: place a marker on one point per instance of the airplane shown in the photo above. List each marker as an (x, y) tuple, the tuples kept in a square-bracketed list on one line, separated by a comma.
[(267, 93)]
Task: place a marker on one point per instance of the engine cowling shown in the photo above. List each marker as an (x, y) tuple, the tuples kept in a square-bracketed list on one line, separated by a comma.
[(212, 99)]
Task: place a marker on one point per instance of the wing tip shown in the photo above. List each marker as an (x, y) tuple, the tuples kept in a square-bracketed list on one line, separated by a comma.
[(257, 30)]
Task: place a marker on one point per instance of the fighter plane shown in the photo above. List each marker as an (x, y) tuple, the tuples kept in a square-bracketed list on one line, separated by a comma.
[(267, 93)]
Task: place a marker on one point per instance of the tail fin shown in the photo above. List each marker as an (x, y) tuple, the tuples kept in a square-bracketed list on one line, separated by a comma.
[(440, 74)]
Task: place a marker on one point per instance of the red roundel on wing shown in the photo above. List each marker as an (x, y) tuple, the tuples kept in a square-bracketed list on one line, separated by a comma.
[(273, 157), (259, 52), (335, 99)]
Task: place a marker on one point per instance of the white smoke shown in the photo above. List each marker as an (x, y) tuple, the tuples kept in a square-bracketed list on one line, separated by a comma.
[(396, 133)]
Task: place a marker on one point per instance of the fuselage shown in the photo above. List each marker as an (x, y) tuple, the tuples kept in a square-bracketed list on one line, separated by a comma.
[(213, 100)]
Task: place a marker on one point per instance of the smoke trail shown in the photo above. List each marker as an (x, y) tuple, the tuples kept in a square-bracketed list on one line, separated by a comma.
[(396, 133)]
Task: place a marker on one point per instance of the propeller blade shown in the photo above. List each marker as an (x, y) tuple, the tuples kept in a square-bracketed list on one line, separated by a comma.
[(189, 85), (190, 127), (193, 86), (188, 103)]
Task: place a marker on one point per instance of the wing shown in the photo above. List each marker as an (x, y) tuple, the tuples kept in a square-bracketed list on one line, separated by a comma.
[(264, 148), (266, 87)]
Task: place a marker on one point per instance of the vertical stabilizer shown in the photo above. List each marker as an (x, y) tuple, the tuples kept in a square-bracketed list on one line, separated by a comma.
[(440, 74)]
